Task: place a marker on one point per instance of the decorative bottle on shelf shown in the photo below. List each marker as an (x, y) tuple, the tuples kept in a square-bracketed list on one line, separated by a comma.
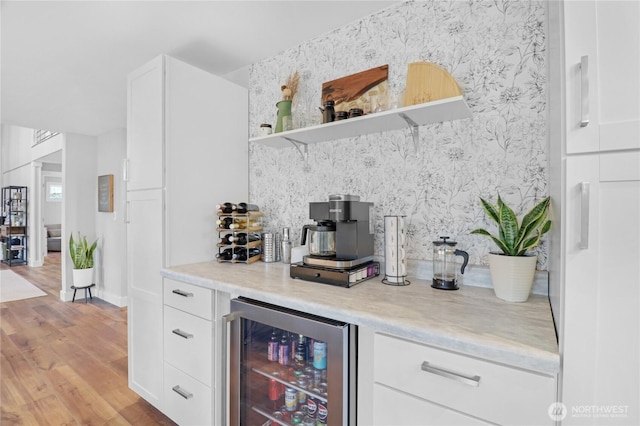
[(244, 208), (226, 207)]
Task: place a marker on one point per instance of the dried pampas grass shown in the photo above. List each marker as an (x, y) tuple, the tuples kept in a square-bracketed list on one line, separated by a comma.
[(290, 88)]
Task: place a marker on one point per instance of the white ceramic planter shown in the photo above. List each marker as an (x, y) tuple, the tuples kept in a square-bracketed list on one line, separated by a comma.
[(512, 276), (82, 277)]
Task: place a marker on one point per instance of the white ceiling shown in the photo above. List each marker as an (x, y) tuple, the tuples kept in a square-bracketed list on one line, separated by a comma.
[(64, 63)]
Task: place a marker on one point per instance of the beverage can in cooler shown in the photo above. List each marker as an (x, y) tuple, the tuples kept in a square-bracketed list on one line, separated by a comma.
[(323, 413), (312, 404), (290, 399), (274, 390), (302, 396), (320, 355)]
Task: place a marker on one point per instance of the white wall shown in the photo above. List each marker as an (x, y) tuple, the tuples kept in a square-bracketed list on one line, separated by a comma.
[(15, 149), (495, 53), (51, 210), (80, 182), (15, 155), (111, 276)]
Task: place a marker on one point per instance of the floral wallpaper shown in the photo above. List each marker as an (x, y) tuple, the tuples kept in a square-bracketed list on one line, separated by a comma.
[(494, 49)]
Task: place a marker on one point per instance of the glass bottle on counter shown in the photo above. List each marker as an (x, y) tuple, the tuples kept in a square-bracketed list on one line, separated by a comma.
[(225, 223), (226, 207), (243, 239), (226, 240), (226, 254), (244, 208)]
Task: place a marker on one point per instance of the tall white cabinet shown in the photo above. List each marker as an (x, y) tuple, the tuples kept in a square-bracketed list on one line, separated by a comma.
[(595, 184), (184, 125)]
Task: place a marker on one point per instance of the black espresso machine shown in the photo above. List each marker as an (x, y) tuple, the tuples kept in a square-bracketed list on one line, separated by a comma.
[(340, 243)]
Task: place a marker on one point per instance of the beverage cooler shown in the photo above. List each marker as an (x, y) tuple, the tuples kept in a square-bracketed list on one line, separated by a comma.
[(289, 367)]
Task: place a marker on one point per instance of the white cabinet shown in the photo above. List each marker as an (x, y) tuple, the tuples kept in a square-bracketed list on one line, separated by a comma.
[(144, 220), (145, 136), (193, 371), (600, 343), (393, 407), (595, 186), (183, 126), (601, 69), (415, 383)]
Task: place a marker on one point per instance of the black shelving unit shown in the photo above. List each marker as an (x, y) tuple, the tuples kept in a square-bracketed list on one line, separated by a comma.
[(13, 225)]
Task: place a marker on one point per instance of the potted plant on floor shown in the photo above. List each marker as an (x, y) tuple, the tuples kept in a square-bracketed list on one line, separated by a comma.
[(513, 270), (82, 257)]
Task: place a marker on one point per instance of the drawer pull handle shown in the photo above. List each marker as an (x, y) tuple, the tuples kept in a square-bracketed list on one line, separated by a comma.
[(182, 293), (467, 380), (584, 91), (584, 215), (183, 393), (182, 333)]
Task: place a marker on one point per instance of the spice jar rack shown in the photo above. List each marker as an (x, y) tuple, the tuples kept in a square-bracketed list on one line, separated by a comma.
[(247, 223)]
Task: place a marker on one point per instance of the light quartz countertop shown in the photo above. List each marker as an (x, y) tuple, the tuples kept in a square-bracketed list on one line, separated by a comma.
[(471, 320)]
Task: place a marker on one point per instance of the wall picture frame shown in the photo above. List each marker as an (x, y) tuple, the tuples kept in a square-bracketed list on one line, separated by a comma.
[(105, 193)]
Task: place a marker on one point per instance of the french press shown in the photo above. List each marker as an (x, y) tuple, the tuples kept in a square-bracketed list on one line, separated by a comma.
[(445, 273)]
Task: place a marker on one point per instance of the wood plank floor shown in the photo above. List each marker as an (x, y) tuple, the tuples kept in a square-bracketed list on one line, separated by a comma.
[(65, 363)]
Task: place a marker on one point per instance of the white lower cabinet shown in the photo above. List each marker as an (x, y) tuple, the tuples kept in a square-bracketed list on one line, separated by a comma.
[(188, 343), (418, 384), (192, 348), (392, 407), (186, 400)]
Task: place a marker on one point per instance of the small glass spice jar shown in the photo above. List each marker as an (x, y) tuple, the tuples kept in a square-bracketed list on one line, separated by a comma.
[(355, 112), (341, 115)]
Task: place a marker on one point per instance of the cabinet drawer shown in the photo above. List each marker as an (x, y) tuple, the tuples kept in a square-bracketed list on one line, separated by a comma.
[(391, 407), (479, 388), (188, 343), (186, 401), (189, 298)]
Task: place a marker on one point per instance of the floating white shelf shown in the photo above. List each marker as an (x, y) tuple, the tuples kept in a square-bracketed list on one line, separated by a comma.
[(449, 109)]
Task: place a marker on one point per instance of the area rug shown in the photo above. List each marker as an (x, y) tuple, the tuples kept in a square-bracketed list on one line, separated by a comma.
[(14, 287)]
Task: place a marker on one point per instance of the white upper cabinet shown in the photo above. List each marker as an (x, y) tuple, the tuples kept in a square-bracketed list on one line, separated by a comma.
[(145, 116), (602, 69)]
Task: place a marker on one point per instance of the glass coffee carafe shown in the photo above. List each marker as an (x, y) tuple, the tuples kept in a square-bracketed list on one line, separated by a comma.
[(445, 270), (322, 238)]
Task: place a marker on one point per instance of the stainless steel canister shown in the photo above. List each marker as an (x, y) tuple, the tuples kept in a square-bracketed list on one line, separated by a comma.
[(271, 247)]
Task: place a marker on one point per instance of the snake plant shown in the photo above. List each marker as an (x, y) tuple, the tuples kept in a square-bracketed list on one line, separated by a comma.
[(81, 253), (514, 239)]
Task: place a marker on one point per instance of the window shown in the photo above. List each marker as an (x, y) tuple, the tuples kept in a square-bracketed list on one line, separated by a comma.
[(54, 191)]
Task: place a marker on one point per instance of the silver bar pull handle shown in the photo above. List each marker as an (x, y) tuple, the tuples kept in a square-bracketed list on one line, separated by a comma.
[(127, 219), (183, 334), (183, 393), (584, 91), (458, 377), (584, 215), (182, 293), (125, 170)]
